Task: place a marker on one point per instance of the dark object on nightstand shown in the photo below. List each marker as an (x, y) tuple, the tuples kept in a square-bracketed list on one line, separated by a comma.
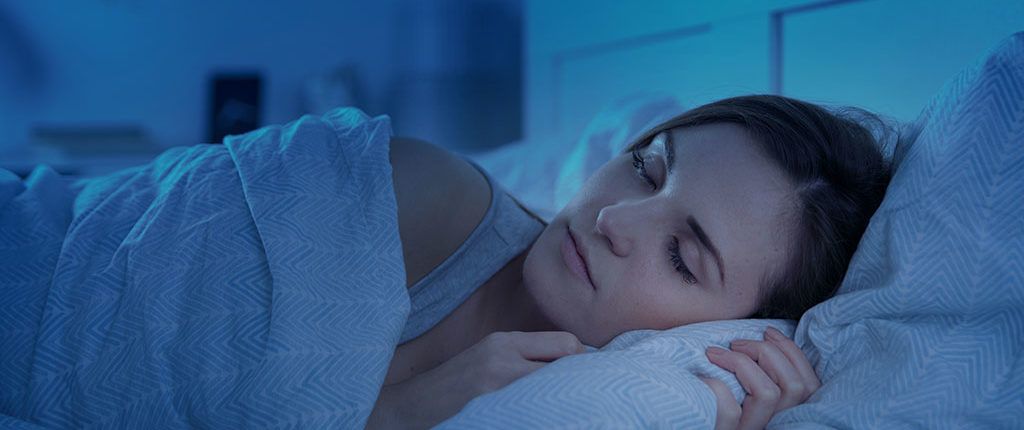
[(234, 105)]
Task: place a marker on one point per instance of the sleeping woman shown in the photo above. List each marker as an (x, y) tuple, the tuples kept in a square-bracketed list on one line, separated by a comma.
[(746, 207), (258, 283)]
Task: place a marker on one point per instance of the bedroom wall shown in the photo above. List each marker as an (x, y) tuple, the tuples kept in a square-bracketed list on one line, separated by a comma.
[(123, 65), (452, 71), (889, 56)]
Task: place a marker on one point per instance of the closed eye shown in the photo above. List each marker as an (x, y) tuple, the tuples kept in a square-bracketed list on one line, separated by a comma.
[(641, 169), (678, 264)]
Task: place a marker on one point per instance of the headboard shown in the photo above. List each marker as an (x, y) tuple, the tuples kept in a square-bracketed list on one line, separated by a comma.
[(884, 56)]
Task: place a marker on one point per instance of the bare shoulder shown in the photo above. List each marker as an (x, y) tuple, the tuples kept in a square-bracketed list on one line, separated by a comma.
[(441, 199)]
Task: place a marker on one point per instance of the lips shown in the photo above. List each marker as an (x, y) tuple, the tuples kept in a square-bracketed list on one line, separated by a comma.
[(574, 259)]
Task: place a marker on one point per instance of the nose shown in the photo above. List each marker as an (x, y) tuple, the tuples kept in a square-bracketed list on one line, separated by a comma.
[(617, 223)]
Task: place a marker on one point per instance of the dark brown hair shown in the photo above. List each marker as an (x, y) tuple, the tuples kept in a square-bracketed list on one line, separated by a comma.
[(839, 170)]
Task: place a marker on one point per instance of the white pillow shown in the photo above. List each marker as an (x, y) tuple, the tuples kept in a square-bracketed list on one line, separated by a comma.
[(927, 330)]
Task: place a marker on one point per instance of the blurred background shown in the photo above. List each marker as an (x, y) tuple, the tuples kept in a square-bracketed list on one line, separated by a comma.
[(89, 86)]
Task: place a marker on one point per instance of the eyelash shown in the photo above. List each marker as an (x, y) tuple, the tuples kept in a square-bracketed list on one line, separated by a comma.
[(673, 247), (641, 168), (677, 262)]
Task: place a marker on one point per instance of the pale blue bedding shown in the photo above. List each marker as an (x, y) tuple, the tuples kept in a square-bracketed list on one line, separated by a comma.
[(255, 284), (246, 301), (927, 330), (641, 379)]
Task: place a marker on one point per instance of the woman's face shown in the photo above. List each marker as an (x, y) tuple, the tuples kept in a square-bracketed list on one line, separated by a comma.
[(690, 242)]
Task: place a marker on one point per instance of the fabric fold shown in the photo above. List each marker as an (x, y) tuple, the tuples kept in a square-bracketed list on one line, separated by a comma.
[(255, 284)]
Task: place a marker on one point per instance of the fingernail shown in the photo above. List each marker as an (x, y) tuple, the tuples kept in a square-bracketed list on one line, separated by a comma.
[(773, 333), (715, 351), (740, 343)]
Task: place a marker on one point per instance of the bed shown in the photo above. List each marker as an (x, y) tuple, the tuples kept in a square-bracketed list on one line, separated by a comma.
[(927, 329)]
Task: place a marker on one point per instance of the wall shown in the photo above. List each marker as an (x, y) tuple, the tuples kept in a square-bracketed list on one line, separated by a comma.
[(889, 56), (146, 64)]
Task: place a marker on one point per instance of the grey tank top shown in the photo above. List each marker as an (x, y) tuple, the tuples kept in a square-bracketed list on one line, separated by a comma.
[(505, 231)]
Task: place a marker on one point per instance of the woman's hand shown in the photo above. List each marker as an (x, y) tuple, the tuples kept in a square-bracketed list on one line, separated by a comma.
[(775, 374), (500, 358)]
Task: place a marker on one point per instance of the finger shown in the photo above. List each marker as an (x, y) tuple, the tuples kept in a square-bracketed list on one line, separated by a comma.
[(762, 393), (522, 367), (545, 345), (795, 356), (495, 372), (775, 364), (728, 415)]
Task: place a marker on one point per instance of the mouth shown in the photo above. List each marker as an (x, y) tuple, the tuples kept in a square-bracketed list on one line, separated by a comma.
[(575, 260)]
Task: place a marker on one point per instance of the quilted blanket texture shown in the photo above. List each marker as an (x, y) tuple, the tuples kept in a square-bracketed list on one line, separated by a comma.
[(255, 284), (259, 284)]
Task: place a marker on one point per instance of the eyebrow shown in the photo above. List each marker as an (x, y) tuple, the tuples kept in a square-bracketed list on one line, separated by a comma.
[(702, 237), (704, 240)]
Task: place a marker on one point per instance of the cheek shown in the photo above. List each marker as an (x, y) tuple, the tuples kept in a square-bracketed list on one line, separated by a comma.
[(644, 298)]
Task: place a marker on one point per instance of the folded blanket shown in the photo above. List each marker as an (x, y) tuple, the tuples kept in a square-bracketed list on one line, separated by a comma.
[(253, 284), (641, 379)]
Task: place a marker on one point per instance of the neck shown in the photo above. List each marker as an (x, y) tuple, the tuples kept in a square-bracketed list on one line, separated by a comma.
[(500, 304), (506, 305)]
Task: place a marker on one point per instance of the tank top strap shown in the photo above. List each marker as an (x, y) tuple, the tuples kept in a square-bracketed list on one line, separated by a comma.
[(506, 230)]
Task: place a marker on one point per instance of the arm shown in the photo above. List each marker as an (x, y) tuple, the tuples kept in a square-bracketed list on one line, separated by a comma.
[(441, 198), (496, 361)]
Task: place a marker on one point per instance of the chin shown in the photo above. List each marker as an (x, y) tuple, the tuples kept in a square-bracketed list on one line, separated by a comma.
[(537, 271), (559, 310), (553, 289), (540, 278)]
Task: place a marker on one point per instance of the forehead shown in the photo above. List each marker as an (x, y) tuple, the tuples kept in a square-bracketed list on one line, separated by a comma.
[(724, 153), (719, 142), (742, 198)]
